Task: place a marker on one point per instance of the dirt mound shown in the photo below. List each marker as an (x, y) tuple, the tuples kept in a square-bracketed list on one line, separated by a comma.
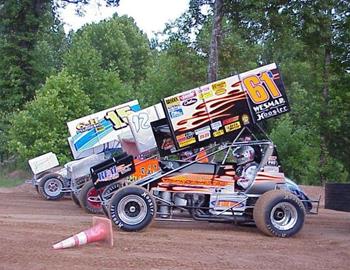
[(25, 187), (19, 174)]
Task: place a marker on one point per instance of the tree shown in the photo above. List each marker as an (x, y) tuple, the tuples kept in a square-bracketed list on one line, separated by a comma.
[(21, 27), (309, 40), (301, 165), (31, 44), (213, 65), (84, 2), (57, 4), (41, 126), (227, 39), (113, 58), (322, 25), (164, 77)]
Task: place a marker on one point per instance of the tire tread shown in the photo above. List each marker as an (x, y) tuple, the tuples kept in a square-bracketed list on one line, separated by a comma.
[(262, 206)]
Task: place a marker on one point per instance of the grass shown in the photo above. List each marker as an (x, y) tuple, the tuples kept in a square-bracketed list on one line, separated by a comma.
[(13, 174), (5, 181)]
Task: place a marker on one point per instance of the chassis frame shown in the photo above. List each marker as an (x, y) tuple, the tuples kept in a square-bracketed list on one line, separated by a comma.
[(232, 213)]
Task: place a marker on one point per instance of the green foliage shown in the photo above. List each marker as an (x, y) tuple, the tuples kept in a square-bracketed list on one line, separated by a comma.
[(48, 52), (104, 87), (111, 62), (297, 150), (4, 126), (120, 44), (294, 35), (31, 44), (41, 126), (26, 46), (113, 58), (164, 78)]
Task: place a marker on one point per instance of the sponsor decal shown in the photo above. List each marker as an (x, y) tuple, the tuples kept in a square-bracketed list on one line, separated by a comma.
[(175, 111), (144, 168), (189, 102), (201, 130), (272, 113), (219, 88), (113, 173), (233, 126), (275, 103), (205, 93), (187, 142), (91, 124), (204, 136), (181, 138), (189, 95), (111, 170), (222, 203), (245, 119), (189, 134), (230, 120), (218, 133), (216, 125), (172, 101), (184, 137), (272, 161)]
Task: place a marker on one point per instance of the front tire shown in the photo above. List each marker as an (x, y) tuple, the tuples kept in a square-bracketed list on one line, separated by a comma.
[(51, 186), (132, 208), (279, 213)]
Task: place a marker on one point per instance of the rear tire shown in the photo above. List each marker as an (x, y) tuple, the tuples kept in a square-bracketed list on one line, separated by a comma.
[(279, 213), (132, 208), (89, 199), (51, 186), (75, 198)]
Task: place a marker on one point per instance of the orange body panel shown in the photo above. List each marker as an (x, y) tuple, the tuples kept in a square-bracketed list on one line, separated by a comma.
[(191, 179), (144, 168), (264, 176)]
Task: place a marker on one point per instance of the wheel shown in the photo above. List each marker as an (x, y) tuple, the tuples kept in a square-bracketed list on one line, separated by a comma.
[(89, 199), (279, 213), (51, 186), (74, 198), (109, 190), (132, 208)]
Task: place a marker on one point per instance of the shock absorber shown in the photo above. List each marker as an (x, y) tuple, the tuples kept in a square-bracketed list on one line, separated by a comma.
[(164, 209)]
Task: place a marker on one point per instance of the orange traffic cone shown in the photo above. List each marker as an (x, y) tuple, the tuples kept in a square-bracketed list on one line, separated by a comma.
[(101, 230)]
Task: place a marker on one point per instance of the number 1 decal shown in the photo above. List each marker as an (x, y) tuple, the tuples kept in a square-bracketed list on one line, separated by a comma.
[(116, 117), (259, 88)]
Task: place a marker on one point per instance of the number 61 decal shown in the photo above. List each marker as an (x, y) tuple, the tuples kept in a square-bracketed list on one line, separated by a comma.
[(259, 87)]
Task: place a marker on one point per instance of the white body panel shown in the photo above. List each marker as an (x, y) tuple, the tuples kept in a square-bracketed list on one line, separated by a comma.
[(43, 163), (97, 132), (140, 125)]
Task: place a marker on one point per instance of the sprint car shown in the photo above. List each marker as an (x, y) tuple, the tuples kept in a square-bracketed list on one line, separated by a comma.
[(209, 191)]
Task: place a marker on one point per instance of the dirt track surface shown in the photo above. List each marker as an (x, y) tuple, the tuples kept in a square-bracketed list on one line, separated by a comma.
[(29, 226)]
